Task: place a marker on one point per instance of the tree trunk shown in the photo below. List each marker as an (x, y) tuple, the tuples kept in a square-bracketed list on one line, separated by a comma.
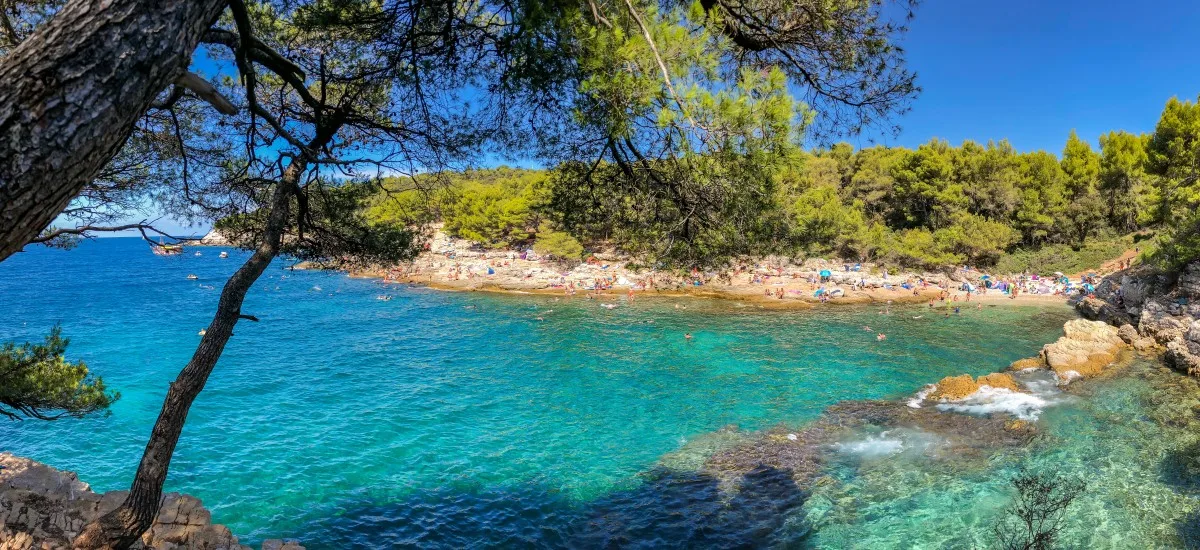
[(124, 525), (71, 93)]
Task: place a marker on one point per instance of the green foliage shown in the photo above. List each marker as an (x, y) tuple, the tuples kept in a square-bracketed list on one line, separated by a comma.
[(1063, 257), (1173, 154), (36, 381), (560, 245), (335, 223), (497, 208)]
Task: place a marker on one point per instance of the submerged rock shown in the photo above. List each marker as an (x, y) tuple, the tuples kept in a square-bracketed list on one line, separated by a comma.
[(45, 508)]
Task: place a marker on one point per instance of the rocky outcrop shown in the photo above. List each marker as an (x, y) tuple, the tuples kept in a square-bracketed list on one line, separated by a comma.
[(998, 380), (1128, 334), (44, 508), (1085, 349), (1179, 357), (1028, 363), (1163, 322), (212, 238), (1096, 309), (953, 388)]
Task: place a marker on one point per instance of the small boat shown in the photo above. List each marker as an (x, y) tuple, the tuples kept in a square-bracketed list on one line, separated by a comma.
[(224, 255), (197, 254), (161, 249), (192, 277)]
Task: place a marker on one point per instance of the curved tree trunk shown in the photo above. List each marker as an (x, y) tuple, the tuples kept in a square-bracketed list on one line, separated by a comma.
[(123, 526), (71, 93)]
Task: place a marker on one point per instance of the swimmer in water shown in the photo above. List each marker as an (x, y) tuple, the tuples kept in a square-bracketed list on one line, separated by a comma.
[(687, 336), (881, 337), (866, 328)]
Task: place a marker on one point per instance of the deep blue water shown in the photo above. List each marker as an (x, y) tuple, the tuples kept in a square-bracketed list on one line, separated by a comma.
[(461, 419)]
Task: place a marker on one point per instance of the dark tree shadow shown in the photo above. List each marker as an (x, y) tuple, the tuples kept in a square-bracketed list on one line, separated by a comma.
[(667, 510)]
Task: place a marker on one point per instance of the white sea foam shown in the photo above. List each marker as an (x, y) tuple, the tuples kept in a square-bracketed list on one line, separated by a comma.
[(873, 446), (1068, 377), (916, 400), (989, 400)]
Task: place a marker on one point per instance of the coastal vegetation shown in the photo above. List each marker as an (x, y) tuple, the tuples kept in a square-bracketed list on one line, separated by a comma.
[(930, 207)]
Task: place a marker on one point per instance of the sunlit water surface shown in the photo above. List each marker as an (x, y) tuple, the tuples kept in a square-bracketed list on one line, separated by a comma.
[(465, 420)]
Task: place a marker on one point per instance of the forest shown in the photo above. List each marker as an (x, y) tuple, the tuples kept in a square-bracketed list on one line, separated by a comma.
[(937, 205)]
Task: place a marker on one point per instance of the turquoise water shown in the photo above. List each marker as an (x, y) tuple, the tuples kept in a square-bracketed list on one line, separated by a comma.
[(462, 420)]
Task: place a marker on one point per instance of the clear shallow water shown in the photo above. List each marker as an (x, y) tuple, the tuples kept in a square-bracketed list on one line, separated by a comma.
[(453, 420)]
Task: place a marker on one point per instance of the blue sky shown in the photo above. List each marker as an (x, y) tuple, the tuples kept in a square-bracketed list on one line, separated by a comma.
[(1030, 71)]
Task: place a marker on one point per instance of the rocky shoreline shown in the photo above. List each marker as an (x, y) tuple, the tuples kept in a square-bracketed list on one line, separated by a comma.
[(44, 508), (1154, 311)]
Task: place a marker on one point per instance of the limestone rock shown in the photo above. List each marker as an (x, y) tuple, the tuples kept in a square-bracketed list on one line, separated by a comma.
[(954, 387), (1145, 344), (44, 508), (1086, 348), (1028, 363), (1189, 281), (1128, 333), (1180, 358), (998, 380), (1096, 309), (1159, 323)]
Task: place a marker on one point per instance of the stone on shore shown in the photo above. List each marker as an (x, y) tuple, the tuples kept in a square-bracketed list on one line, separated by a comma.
[(1085, 349), (44, 508), (1128, 333)]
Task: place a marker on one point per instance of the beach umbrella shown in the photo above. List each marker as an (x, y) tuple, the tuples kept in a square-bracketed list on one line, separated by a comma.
[(986, 277), (825, 273)]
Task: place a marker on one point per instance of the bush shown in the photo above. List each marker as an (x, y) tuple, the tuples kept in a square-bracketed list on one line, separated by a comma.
[(558, 245), (1064, 258)]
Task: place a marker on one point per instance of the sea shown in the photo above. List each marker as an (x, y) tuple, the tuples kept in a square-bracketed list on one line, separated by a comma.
[(359, 414)]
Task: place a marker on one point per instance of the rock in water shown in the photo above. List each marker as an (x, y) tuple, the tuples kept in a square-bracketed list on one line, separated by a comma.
[(954, 387), (1086, 348), (999, 380)]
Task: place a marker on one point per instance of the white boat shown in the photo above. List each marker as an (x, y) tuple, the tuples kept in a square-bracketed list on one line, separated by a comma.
[(224, 255), (197, 254)]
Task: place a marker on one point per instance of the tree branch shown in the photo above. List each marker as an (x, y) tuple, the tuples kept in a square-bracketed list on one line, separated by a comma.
[(204, 90)]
